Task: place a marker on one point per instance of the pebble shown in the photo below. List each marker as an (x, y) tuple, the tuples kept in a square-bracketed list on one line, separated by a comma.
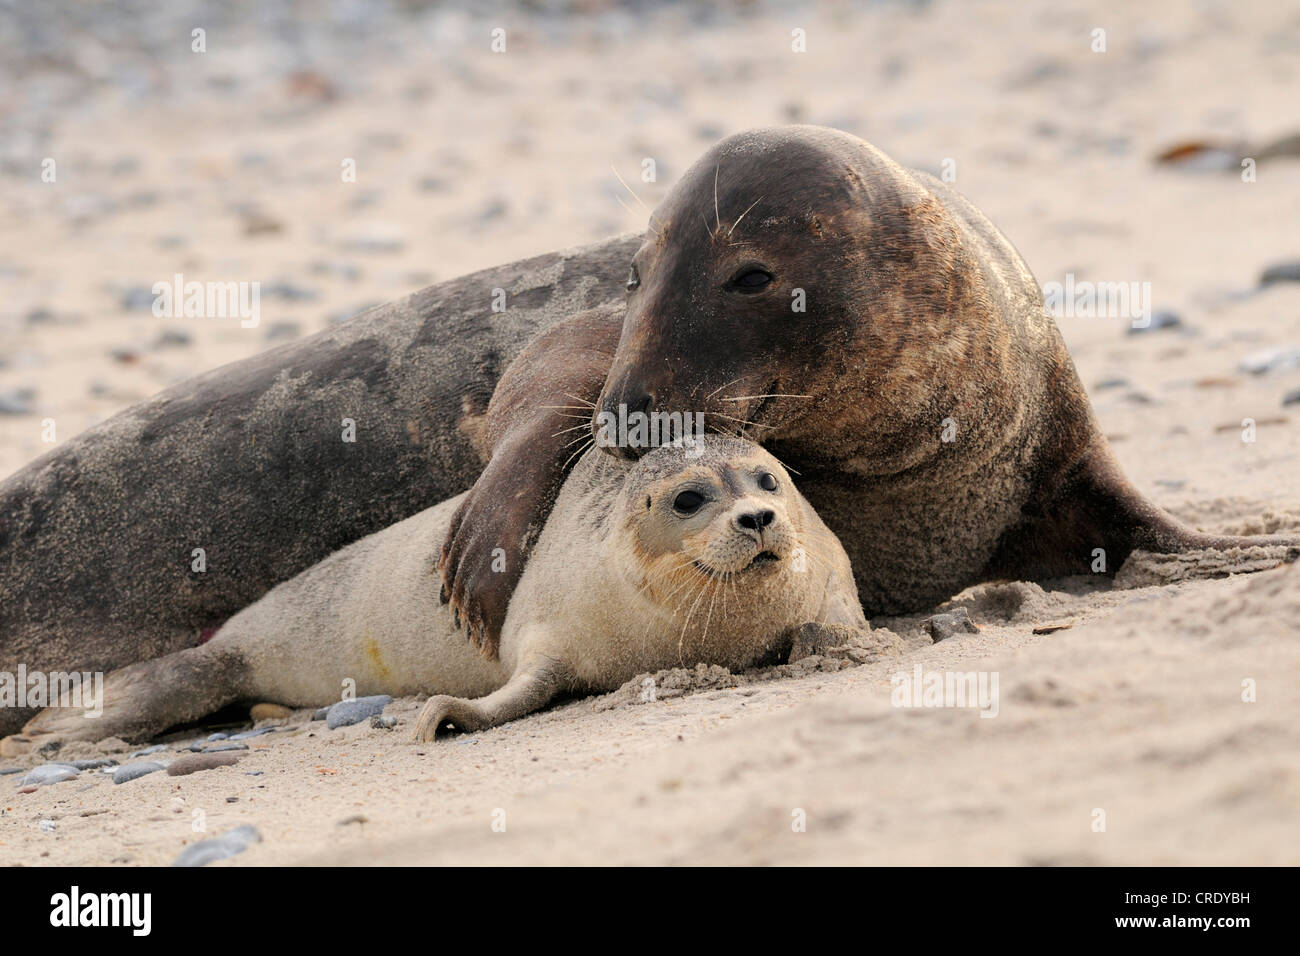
[(47, 826), (255, 732), (219, 735), (6, 771), (156, 748), (347, 712), (1159, 320), (48, 773), (131, 771), (222, 748), (1292, 397), (282, 331), (269, 712), (943, 626), (321, 713), (380, 722), (17, 401), (289, 292), (1280, 272), (193, 763), (172, 338), (94, 763), (137, 298), (219, 848), (1274, 360)]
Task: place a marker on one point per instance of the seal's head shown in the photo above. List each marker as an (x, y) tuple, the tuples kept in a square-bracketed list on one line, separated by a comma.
[(778, 262), (716, 514)]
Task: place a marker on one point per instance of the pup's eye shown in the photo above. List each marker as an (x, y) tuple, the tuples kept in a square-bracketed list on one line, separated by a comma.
[(767, 481), (688, 502), (633, 278), (752, 280)]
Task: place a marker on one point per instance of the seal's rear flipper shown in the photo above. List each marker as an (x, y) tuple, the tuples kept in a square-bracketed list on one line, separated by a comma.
[(525, 692), (144, 699), (1096, 519)]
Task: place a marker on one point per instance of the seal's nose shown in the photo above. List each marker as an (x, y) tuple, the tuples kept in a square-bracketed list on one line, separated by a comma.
[(755, 520)]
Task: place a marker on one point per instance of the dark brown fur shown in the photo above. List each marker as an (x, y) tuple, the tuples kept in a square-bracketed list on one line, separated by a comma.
[(918, 311)]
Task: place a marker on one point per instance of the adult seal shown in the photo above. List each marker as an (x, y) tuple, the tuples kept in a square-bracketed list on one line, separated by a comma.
[(873, 330), (694, 554)]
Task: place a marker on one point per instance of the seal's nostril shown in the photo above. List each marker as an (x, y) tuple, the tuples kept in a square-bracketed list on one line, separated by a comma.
[(756, 520)]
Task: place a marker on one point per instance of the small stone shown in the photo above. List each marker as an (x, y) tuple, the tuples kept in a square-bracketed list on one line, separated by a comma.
[(1280, 272), (219, 735), (282, 331), (1292, 397), (255, 732), (132, 771), (48, 773), (347, 712), (17, 401), (193, 763), (94, 763), (321, 713), (47, 826), (269, 712), (943, 626), (1159, 320), (380, 722), (172, 338), (1274, 360), (222, 748), (219, 848), (137, 298), (155, 749), (6, 771), (289, 292), (355, 818)]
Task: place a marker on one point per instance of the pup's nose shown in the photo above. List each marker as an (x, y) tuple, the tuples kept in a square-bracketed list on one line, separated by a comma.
[(755, 520)]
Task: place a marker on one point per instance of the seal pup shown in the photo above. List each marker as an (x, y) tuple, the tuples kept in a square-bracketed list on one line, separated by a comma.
[(871, 328), (702, 553)]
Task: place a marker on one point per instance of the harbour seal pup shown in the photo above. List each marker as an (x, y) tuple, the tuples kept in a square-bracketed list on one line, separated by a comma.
[(701, 554), (872, 329)]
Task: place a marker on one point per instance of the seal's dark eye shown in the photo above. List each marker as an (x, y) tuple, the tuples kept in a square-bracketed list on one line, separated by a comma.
[(767, 481), (751, 280), (688, 502), (633, 278)]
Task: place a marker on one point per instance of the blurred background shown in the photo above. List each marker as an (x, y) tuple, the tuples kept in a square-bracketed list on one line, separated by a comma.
[(229, 162)]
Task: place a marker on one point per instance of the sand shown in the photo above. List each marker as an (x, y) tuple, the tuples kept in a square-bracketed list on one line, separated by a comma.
[(1120, 739)]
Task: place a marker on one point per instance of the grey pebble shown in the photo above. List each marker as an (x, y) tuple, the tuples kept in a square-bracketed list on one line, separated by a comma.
[(132, 771), (219, 735), (17, 401), (942, 626), (222, 748), (156, 748), (6, 771), (48, 773), (1274, 360), (255, 732), (321, 713), (1159, 320), (219, 848), (94, 763), (1280, 272), (47, 826), (137, 298), (1292, 397), (347, 712), (282, 331), (380, 722)]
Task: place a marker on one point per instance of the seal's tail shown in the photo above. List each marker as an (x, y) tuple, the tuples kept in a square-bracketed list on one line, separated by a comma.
[(144, 699)]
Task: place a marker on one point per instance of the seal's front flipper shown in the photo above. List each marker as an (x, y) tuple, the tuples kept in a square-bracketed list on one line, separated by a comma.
[(144, 699), (525, 692), (537, 423)]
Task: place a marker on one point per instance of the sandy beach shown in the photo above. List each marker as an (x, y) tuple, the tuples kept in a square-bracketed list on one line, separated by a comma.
[(1155, 720)]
